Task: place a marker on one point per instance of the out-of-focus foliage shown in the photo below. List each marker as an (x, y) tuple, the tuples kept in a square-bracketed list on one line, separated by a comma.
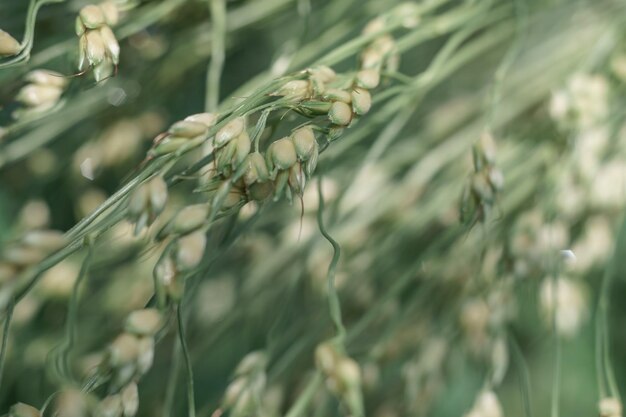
[(433, 227)]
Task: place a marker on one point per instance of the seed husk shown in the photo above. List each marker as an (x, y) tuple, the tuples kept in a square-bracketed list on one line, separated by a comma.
[(340, 113), (8, 44)]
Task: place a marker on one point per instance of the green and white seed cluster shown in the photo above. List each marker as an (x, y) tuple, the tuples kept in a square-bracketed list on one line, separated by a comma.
[(342, 376), (98, 46), (41, 93), (480, 192)]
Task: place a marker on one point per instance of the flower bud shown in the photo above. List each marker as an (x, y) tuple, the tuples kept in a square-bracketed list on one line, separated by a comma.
[(340, 113), (91, 16), (361, 101), (368, 78), (145, 322), (130, 400), (305, 143), (229, 131), (187, 129), (23, 410), (281, 154), (36, 95), (323, 72), (8, 44), (190, 250), (123, 350), (47, 78), (111, 45), (110, 406)]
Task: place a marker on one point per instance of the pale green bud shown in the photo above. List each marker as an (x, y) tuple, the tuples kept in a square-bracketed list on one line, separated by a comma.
[(340, 113), (103, 70), (242, 149), (361, 101), (8, 44), (304, 142), (91, 16), (281, 154), (157, 191), (256, 169), (230, 131), (323, 72), (23, 410), (259, 191), (145, 322), (295, 90), (191, 218)]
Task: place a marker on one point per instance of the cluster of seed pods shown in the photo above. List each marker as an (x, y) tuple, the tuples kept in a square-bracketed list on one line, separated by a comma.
[(480, 192), (126, 360), (98, 47)]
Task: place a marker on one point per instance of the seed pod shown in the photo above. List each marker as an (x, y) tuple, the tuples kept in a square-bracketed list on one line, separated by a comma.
[(295, 90), (123, 350), (8, 44), (96, 51), (23, 410), (305, 143), (110, 406), (157, 191), (111, 45), (207, 119), (145, 322), (256, 170), (191, 218), (229, 131), (91, 16), (110, 12), (187, 129), (130, 400), (190, 250), (340, 113), (368, 78), (259, 191), (46, 240), (361, 101), (36, 95), (335, 94), (145, 348), (138, 201), (45, 77), (281, 154)]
